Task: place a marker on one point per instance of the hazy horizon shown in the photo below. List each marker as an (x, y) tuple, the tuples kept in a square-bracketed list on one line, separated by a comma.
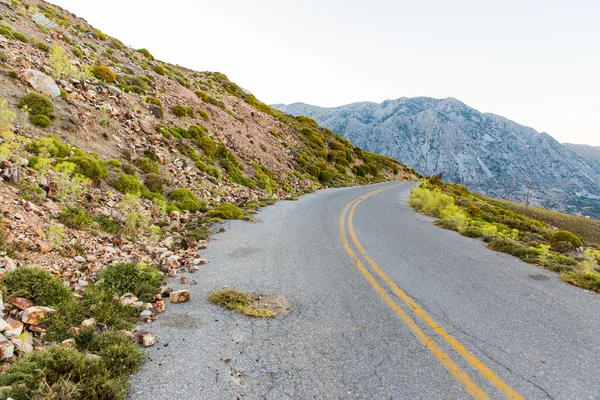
[(533, 62)]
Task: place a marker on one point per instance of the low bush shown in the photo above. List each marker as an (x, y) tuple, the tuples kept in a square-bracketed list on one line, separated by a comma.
[(49, 146), (208, 146), (147, 165), (563, 241), (146, 54), (37, 104), (184, 199), (586, 279), (90, 167), (36, 285), (104, 73), (183, 111), (127, 184), (153, 100), (204, 115), (238, 301), (154, 183), (141, 280), (226, 211), (40, 120), (159, 69), (62, 373)]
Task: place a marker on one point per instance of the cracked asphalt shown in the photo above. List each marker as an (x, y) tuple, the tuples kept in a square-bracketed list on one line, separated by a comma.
[(538, 334)]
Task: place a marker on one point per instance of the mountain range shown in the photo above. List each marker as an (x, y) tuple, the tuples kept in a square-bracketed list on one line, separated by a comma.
[(486, 152)]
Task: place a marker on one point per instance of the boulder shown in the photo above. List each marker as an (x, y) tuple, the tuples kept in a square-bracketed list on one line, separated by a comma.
[(15, 328), (40, 82)]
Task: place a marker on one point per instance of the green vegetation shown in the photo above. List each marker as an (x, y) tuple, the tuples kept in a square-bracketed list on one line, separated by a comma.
[(39, 107), (586, 228), (147, 165), (146, 54), (127, 184), (121, 278), (104, 73), (68, 372), (159, 69), (183, 111), (226, 211), (204, 115), (184, 199), (235, 300), (154, 100), (508, 231), (40, 120)]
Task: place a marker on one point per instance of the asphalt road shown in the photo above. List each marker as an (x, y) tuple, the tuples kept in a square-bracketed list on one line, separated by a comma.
[(385, 305)]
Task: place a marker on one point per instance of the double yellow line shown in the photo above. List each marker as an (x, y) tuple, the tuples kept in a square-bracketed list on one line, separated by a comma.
[(443, 358)]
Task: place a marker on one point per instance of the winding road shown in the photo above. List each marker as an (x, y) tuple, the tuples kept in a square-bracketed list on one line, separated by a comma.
[(384, 305)]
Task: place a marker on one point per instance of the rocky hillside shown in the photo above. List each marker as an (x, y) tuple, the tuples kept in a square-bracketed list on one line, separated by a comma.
[(489, 153), (114, 166), (591, 154)]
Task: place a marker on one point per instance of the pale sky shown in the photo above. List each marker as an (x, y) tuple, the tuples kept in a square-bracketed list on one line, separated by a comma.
[(535, 62)]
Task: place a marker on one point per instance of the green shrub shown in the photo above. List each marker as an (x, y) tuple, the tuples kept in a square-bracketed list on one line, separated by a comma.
[(153, 100), (62, 373), (226, 211), (197, 132), (510, 246), (204, 115), (147, 165), (20, 37), (104, 73), (208, 145), (186, 200), (154, 183), (37, 104), (90, 167), (146, 53), (325, 176), (588, 279), (472, 232), (127, 184), (76, 218), (40, 120), (182, 111), (50, 146), (36, 285), (563, 241), (159, 69), (141, 280)]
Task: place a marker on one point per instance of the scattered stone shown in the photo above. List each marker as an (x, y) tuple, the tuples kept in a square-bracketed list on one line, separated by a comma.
[(80, 259), (189, 243), (44, 247), (7, 350), (145, 338), (184, 280), (15, 329), (146, 314), (180, 296), (44, 21), (21, 303), (93, 356), (159, 306), (69, 343), (87, 322), (33, 315), (128, 299), (3, 325)]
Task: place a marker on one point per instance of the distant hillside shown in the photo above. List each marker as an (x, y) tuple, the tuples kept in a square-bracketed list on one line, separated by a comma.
[(489, 153), (590, 153)]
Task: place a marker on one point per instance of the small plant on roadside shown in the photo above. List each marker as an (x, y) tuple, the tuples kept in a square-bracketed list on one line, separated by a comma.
[(236, 300), (226, 211)]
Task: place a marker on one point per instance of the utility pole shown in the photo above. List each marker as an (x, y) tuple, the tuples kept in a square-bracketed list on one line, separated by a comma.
[(427, 151)]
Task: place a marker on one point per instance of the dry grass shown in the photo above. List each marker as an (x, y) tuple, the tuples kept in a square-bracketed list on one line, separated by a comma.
[(585, 228), (241, 302)]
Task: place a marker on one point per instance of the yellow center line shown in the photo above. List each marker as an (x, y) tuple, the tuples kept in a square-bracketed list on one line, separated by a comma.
[(471, 387)]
